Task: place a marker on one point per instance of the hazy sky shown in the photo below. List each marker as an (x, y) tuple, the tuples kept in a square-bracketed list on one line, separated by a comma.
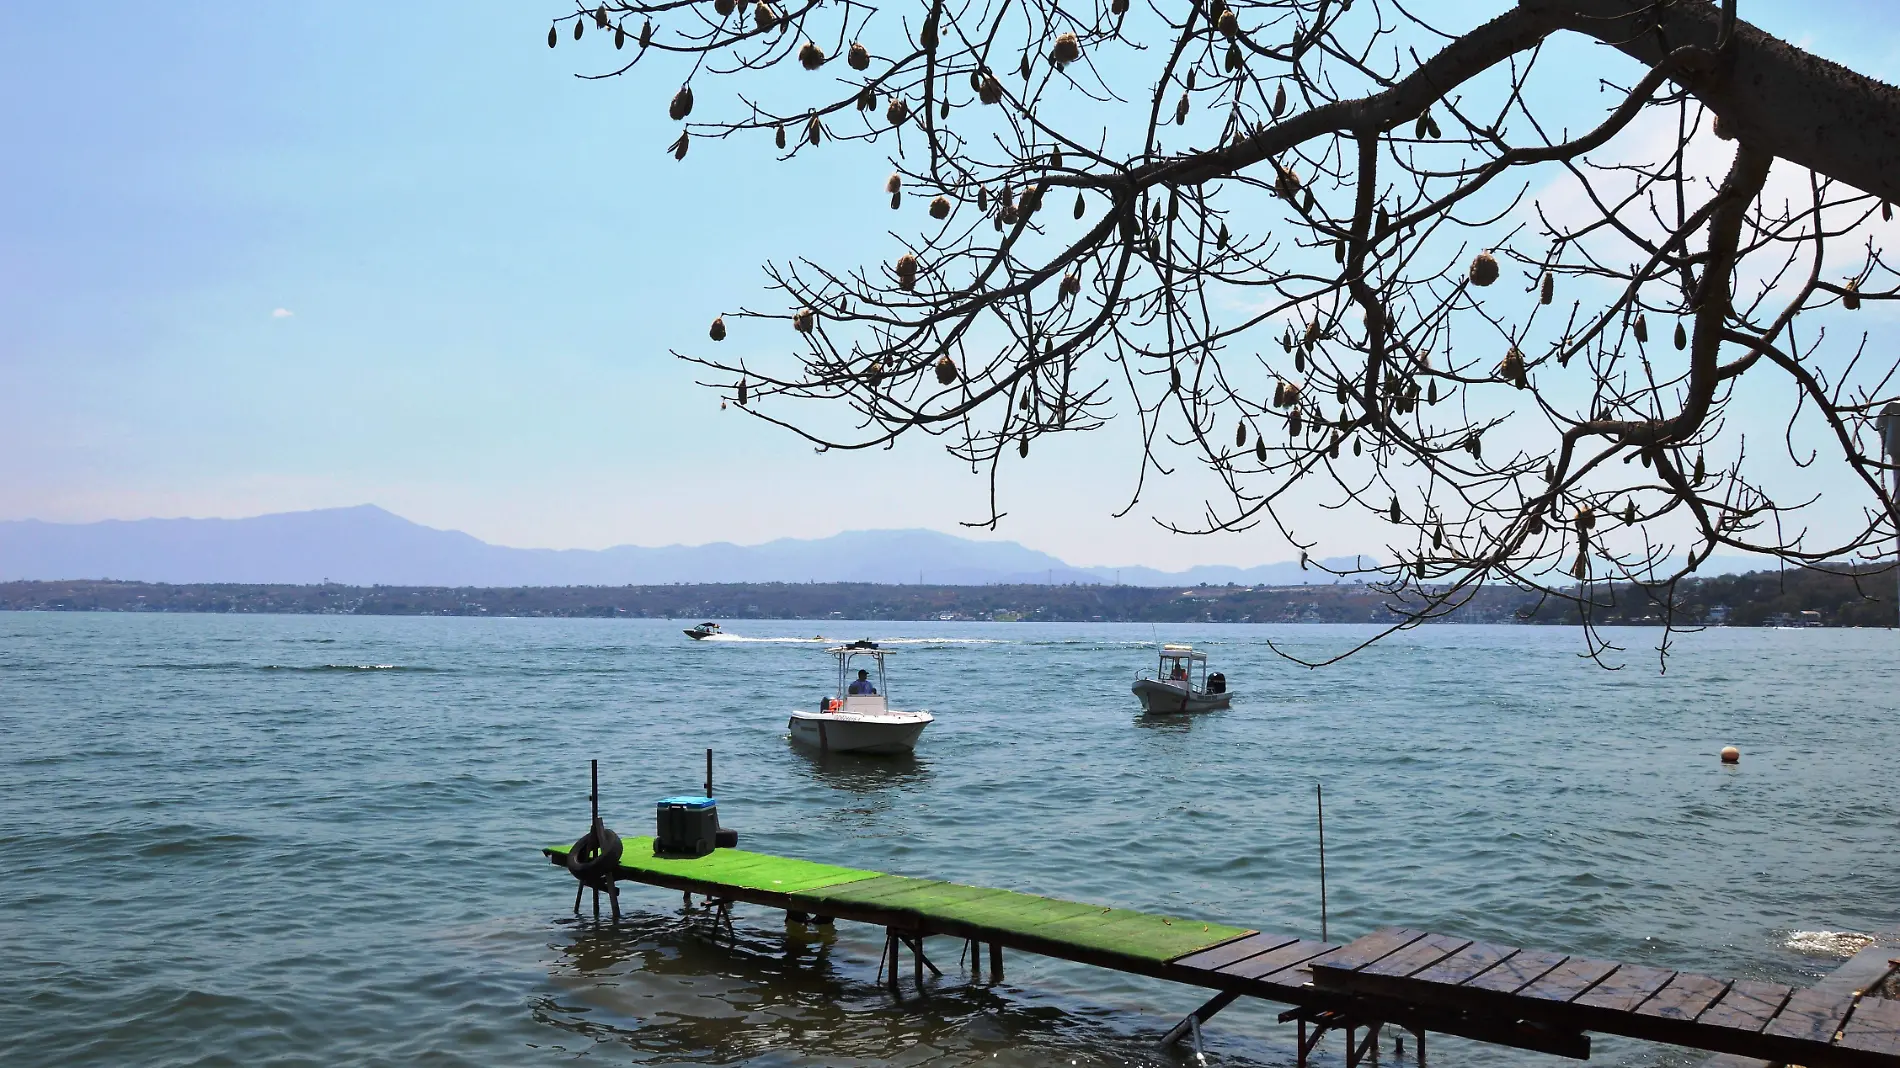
[(264, 257)]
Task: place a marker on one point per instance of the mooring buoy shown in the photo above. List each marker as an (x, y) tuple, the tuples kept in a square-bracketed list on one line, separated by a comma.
[(1731, 755)]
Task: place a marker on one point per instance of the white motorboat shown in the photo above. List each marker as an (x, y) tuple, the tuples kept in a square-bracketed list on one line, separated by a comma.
[(1181, 683), (703, 631), (857, 721)]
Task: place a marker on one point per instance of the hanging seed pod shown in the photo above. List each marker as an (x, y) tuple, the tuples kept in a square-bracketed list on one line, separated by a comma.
[(1294, 421), (1392, 512), (943, 109), (928, 35), (982, 199), (1418, 127), (1383, 220), (991, 91), (1221, 238), (1431, 128), (1431, 392), (1438, 536), (897, 111), (1055, 159), (894, 183), (867, 99), (906, 269), (1640, 328), (1032, 200), (1511, 368), (1682, 338), (814, 130), (1279, 99), (811, 56), (1081, 205), (1339, 251), (1181, 110), (1299, 361), (1233, 58), (1229, 24), (1066, 51), (1240, 434), (1118, 7), (1701, 472), (600, 17), (1850, 299), (620, 38), (1629, 513), (874, 374), (897, 200), (1355, 446), (946, 371), (1260, 449), (1071, 285), (1174, 378), (1484, 270), (718, 331), (804, 320), (1586, 519), (1023, 405), (579, 25), (1286, 183), (1312, 333), (646, 34), (742, 393), (724, 7), (1279, 393), (764, 16), (1548, 288), (858, 56), (682, 104), (1174, 204), (554, 37), (940, 208), (1550, 471), (778, 135), (1022, 447), (1022, 68), (679, 147), (1535, 525)]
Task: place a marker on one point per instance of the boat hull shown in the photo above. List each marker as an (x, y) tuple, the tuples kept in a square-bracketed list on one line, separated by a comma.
[(1173, 697), (870, 733)]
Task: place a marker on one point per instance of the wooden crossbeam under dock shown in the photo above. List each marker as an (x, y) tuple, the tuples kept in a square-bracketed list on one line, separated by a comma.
[(1415, 980)]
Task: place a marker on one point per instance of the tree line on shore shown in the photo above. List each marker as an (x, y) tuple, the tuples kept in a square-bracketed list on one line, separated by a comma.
[(1846, 596)]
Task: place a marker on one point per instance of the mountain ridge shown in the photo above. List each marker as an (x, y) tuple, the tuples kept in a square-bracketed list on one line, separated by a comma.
[(368, 545)]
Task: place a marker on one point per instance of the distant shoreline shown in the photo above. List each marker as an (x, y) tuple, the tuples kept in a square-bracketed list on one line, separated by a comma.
[(1753, 599)]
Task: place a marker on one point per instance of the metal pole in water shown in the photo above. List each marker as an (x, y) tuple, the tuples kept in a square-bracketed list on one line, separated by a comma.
[(1319, 798), (593, 803), (1887, 425), (709, 792)]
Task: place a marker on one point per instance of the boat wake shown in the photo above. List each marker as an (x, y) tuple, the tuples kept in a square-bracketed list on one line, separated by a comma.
[(743, 640)]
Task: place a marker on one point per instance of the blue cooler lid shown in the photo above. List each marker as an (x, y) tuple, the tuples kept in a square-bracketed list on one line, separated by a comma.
[(692, 801)]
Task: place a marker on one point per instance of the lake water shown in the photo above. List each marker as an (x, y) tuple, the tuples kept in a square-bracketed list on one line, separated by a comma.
[(313, 840)]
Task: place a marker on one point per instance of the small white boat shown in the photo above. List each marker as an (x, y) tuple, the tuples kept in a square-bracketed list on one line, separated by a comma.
[(860, 721), (704, 630), (1181, 683)]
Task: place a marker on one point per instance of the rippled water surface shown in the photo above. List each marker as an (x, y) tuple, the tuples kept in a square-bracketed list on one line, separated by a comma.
[(312, 840)]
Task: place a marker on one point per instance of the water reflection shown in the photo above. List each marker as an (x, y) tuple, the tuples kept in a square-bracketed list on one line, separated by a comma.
[(861, 774), (675, 989)]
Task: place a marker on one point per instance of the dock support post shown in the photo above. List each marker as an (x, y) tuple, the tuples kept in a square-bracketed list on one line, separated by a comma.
[(578, 887), (996, 962), (1192, 1024)]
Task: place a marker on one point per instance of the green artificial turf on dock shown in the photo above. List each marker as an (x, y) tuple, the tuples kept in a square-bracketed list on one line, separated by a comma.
[(826, 888)]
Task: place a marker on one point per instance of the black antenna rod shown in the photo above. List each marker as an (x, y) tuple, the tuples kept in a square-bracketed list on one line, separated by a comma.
[(709, 792), (1319, 797)]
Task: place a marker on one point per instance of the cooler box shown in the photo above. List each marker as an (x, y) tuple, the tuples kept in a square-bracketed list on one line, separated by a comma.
[(686, 826)]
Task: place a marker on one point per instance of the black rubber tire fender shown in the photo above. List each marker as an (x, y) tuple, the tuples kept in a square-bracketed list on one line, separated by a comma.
[(602, 855)]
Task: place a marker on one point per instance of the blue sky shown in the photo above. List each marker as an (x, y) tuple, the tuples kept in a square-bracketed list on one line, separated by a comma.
[(483, 261)]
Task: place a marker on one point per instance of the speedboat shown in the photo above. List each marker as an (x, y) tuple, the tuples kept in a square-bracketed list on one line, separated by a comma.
[(704, 630), (1181, 683), (859, 722)]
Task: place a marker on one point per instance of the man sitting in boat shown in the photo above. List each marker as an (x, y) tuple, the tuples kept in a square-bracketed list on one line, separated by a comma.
[(1179, 674), (862, 685)]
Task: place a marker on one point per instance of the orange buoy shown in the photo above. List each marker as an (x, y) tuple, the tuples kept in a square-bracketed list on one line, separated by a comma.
[(1731, 755)]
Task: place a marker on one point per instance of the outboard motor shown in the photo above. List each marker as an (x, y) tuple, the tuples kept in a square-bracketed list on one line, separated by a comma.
[(1217, 683)]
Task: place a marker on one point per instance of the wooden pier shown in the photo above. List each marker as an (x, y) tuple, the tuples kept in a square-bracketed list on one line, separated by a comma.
[(1397, 978)]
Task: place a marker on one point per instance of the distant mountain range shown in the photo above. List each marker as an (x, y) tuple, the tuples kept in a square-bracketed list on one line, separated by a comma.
[(368, 546)]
